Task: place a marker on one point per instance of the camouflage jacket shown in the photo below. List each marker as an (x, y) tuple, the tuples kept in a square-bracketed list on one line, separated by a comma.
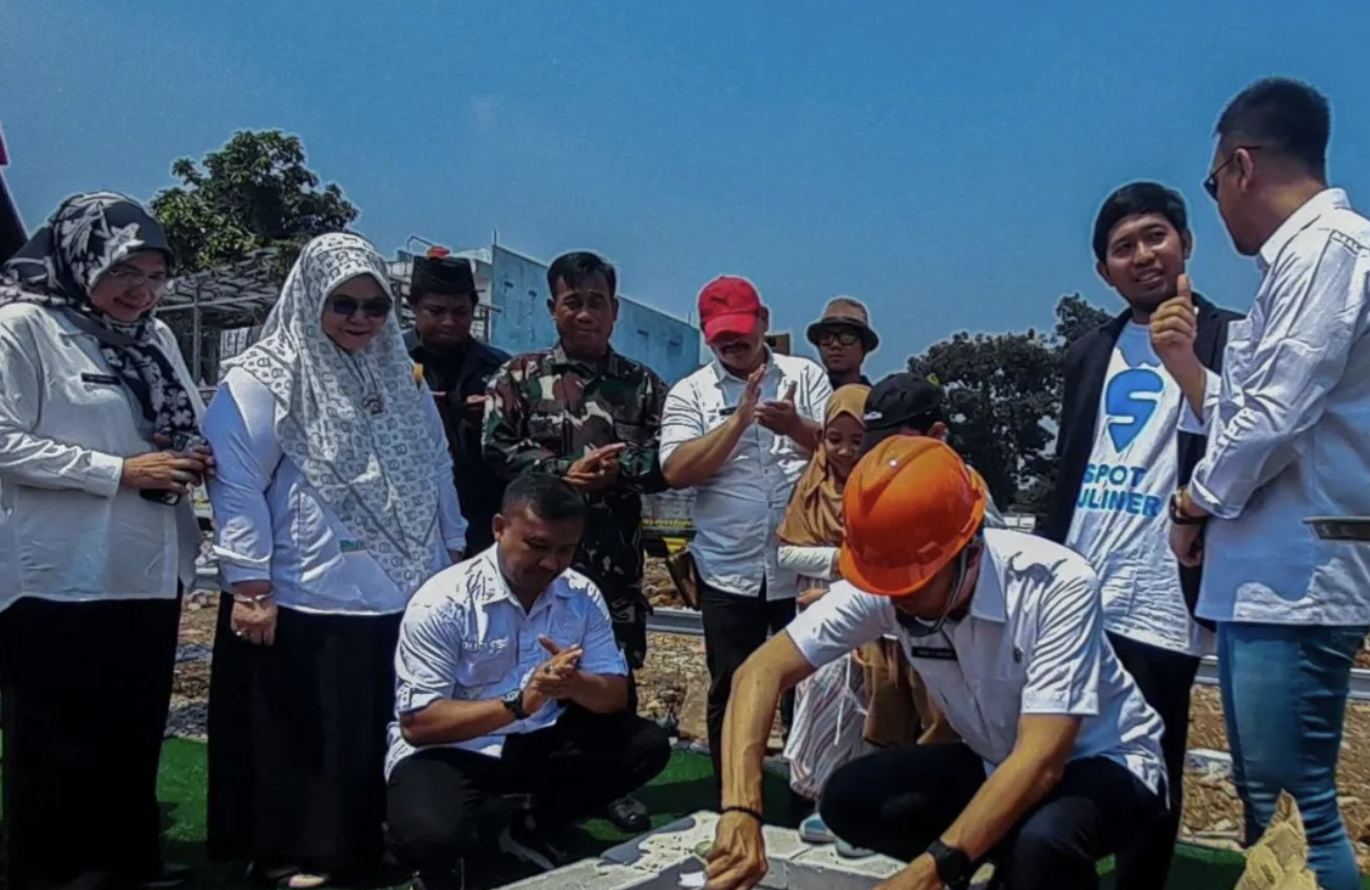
[(546, 411)]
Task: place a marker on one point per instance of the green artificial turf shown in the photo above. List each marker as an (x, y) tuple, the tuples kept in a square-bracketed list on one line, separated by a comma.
[(685, 787)]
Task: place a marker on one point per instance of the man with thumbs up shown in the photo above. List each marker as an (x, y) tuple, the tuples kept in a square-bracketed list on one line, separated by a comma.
[(1126, 385)]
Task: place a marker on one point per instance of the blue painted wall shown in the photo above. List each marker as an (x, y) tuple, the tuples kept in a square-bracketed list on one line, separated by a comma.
[(518, 291)]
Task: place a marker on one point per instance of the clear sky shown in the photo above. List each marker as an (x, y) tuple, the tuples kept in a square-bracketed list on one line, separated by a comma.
[(941, 161)]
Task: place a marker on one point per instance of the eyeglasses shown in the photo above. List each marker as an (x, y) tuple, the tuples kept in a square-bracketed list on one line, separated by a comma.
[(130, 279), (348, 307), (842, 338), (1211, 183)]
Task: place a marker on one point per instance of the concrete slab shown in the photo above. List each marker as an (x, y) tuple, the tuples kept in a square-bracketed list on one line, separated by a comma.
[(665, 860)]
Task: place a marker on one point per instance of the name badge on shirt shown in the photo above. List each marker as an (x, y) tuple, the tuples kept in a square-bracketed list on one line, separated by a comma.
[(351, 546), (936, 653), (107, 379)]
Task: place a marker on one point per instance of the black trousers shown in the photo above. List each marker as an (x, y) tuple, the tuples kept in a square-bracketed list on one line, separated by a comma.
[(1165, 680), (297, 741), (734, 628), (86, 687), (898, 801), (572, 769)]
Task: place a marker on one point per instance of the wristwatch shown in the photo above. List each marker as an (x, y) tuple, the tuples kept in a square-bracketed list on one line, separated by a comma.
[(1178, 516), (513, 702), (953, 865)]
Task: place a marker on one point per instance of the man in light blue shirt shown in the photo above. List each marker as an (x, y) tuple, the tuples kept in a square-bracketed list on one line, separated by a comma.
[(1288, 439)]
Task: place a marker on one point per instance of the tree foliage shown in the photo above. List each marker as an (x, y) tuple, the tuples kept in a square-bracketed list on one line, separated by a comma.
[(255, 192), (1004, 396)]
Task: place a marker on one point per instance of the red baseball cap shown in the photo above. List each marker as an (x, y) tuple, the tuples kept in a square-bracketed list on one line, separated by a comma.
[(729, 305)]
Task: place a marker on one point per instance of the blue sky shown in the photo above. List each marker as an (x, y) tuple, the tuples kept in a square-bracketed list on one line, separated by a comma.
[(942, 162)]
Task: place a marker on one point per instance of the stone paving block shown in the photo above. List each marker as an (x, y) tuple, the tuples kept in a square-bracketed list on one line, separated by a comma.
[(820, 868)]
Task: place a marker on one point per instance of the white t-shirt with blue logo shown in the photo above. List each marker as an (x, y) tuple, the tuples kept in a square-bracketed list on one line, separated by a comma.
[(1121, 524)]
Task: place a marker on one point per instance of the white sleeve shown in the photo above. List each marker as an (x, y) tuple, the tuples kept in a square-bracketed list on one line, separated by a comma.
[(814, 562), (37, 461), (1315, 314), (993, 517), (240, 427), (1193, 423), (601, 654), (1066, 651), (451, 524), (681, 419), (839, 622), (817, 391), (428, 652)]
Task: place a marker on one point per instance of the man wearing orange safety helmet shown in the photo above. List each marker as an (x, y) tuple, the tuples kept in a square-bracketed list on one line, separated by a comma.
[(1059, 756)]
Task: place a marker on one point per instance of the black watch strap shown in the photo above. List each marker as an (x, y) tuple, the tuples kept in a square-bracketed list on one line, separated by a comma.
[(953, 865), (513, 701)]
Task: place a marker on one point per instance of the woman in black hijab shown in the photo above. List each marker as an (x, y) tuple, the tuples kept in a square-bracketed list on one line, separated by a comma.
[(98, 450)]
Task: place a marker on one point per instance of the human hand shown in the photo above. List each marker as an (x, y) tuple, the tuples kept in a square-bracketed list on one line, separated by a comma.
[(1174, 326), (174, 471), (253, 619), (474, 406), (559, 676), (746, 409), (1187, 543), (598, 469), (780, 416), (738, 858), (811, 596), (921, 874)]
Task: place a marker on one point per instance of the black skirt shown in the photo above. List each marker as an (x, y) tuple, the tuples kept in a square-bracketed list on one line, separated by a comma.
[(297, 741), (85, 689)]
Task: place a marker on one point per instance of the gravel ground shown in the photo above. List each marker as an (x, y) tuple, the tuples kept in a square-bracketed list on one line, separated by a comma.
[(674, 682)]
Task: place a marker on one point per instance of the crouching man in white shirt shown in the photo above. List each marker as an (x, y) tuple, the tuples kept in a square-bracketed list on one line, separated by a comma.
[(1059, 758), (510, 682)]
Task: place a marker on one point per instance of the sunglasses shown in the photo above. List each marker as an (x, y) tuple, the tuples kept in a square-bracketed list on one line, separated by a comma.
[(349, 306), (1211, 183), (841, 338)]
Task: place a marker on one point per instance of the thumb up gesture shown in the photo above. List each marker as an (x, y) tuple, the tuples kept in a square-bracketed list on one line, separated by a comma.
[(779, 416), (1173, 328)]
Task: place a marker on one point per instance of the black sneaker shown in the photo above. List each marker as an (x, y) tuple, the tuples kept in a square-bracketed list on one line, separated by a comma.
[(629, 815), (522, 841)]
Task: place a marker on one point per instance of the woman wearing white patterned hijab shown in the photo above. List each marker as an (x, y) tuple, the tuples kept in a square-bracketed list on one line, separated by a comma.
[(94, 397), (334, 502)]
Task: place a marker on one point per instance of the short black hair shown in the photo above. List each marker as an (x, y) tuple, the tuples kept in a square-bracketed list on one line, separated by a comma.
[(549, 497), (442, 276), (575, 267), (1280, 115), (1136, 199)]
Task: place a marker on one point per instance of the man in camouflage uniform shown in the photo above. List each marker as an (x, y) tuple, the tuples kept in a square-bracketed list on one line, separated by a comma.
[(583, 412)]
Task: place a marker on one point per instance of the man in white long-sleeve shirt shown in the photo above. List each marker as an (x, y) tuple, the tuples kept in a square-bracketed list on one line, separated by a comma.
[(1288, 439)]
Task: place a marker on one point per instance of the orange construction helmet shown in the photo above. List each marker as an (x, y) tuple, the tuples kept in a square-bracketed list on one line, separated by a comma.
[(910, 506)]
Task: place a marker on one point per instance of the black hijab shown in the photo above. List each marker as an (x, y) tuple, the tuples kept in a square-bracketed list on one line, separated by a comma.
[(85, 237)]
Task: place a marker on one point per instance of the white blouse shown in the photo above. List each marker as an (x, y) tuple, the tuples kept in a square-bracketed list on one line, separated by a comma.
[(66, 424), (270, 524)]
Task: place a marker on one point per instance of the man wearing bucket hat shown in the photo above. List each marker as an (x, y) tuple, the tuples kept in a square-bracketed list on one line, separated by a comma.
[(1059, 759), (844, 338)]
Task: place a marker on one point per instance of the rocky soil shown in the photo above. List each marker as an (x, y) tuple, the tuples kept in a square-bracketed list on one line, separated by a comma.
[(674, 682)]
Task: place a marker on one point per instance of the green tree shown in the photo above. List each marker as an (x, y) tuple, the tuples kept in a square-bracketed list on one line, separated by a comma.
[(1004, 396), (255, 192)]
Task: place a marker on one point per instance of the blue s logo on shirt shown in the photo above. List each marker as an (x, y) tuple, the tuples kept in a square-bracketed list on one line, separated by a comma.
[(1129, 403)]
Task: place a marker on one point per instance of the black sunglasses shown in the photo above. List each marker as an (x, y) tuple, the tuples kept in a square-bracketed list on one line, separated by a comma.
[(348, 306), (1211, 183)]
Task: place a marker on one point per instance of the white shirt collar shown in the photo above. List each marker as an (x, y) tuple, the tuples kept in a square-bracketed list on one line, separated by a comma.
[(722, 374), (1305, 216), (496, 587), (988, 602)]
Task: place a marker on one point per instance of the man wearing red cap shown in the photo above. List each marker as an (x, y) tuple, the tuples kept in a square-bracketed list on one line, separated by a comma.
[(740, 431)]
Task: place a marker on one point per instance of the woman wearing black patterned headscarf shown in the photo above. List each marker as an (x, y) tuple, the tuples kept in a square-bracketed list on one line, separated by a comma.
[(98, 448)]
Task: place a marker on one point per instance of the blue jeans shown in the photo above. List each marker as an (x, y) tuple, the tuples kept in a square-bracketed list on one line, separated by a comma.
[(1284, 691)]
